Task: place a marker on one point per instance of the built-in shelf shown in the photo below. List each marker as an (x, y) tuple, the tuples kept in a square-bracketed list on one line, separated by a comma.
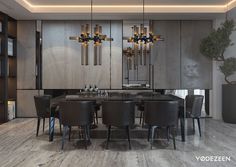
[(7, 67)]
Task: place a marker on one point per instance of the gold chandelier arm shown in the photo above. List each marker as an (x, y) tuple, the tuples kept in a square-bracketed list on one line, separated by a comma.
[(158, 38), (74, 38), (125, 38), (109, 39)]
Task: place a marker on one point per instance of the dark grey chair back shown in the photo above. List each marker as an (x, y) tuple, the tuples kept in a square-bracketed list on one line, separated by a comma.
[(161, 113), (42, 105), (194, 105), (74, 113), (118, 113)]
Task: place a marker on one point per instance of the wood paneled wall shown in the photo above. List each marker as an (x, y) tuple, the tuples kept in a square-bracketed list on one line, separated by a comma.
[(166, 55), (62, 67), (116, 55), (26, 50), (196, 69), (177, 61), (26, 68)]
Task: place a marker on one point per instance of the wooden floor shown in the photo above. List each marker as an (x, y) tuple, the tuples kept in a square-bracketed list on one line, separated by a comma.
[(20, 147)]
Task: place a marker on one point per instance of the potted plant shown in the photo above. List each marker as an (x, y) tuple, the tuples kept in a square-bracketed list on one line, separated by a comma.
[(214, 47)]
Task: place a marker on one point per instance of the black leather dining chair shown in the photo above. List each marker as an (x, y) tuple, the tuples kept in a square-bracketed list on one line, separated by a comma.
[(118, 114), (193, 104), (76, 113), (43, 109), (161, 114)]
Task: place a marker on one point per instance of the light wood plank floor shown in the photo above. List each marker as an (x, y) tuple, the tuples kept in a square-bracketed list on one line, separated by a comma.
[(20, 147)]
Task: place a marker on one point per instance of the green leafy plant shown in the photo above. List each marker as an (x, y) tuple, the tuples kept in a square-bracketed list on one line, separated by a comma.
[(215, 45)]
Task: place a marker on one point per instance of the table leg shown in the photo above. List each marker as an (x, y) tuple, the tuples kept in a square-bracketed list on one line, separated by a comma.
[(51, 128), (182, 124)]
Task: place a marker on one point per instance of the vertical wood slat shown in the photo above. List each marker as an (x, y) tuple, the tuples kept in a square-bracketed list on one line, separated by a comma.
[(26, 55), (196, 69), (116, 54), (166, 55)]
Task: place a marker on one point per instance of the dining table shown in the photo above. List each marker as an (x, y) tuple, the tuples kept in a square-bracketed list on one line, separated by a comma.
[(138, 99)]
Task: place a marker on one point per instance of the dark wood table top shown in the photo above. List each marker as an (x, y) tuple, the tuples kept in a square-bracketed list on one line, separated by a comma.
[(135, 98)]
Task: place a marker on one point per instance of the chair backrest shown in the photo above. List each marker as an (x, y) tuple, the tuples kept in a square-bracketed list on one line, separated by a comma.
[(161, 113), (118, 113), (177, 98), (75, 113), (194, 104), (42, 105)]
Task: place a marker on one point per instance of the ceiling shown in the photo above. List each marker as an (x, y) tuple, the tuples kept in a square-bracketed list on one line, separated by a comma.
[(129, 2), (115, 9)]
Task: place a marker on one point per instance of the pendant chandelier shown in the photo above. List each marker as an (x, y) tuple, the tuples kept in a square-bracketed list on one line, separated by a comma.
[(141, 37), (87, 36)]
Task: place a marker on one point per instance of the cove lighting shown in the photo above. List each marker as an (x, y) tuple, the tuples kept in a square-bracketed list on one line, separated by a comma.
[(127, 8)]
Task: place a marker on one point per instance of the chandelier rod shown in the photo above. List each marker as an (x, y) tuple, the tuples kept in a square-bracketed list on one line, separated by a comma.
[(91, 21), (143, 12)]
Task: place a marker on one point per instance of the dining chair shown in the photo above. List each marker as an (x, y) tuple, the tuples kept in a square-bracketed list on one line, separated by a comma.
[(161, 114), (118, 114), (194, 109), (76, 113), (43, 109), (77, 98)]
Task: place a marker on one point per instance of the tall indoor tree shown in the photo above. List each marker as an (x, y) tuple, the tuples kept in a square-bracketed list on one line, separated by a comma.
[(215, 45)]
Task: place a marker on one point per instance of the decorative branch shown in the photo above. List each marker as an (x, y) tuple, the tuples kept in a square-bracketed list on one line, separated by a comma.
[(215, 45)]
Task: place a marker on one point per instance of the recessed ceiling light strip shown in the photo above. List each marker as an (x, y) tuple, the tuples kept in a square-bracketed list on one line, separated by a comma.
[(124, 8)]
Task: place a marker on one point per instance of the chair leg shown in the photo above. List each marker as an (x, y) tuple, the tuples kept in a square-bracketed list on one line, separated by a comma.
[(63, 136), (182, 124), (43, 124), (173, 136), (85, 137), (153, 133), (38, 125), (80, 133), (193, 125), (149, 132), (199, 127), (140, 120), (128, 135), (94, 118), (96, 113), (108, 136), (168, 133), (60, 126), (88, 132), (69, 132), (51, 128)]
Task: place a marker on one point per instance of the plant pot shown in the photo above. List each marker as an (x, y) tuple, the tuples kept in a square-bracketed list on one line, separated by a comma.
[(229, 103)]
